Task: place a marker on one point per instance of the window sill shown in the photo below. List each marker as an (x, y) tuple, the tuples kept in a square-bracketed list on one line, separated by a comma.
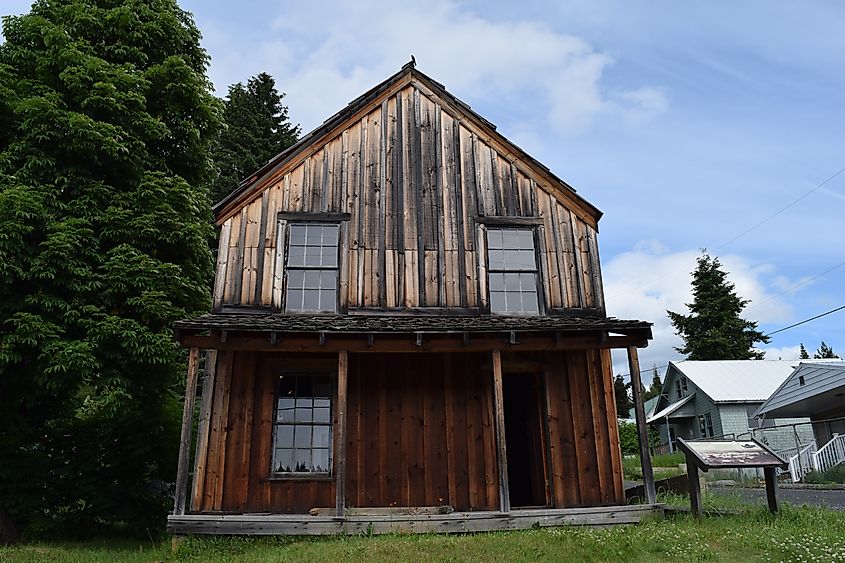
[(299, 477)]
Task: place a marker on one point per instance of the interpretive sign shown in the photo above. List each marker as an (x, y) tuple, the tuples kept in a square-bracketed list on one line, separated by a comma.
[(726, 454)]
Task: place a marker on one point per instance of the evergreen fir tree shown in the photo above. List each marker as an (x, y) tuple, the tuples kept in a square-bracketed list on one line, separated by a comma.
[(106, 117), (825, 352), (656, 387), (623, 400), (715, 329), (802, 353), (256, 129)]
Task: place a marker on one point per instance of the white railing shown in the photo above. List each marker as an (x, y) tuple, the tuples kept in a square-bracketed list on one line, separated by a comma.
[(802, 462), (831, 454)]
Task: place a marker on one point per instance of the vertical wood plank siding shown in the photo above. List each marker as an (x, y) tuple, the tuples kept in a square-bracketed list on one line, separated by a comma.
[(414, 177), (419, 432)]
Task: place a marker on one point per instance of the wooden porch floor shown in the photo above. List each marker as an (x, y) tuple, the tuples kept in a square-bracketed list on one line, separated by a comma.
[(455, 522)]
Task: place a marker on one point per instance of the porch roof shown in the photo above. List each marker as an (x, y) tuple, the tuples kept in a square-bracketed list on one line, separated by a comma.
[(424, 332), (353, 323), (670, 409)]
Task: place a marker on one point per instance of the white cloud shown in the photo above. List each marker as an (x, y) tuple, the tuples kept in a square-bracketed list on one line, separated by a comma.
[(331, 54), (648, 280), (782, 353)]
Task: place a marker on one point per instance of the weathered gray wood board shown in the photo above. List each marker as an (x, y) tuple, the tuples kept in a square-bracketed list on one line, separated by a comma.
[(416, 177)]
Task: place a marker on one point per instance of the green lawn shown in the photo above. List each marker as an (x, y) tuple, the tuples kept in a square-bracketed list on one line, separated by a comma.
[(754, 535)]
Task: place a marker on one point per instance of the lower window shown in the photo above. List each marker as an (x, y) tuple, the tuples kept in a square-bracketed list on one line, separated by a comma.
[(302, 434)]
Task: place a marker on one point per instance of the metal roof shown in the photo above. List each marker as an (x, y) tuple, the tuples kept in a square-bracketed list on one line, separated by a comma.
[(811, 388), (670, 409), (726, 381)]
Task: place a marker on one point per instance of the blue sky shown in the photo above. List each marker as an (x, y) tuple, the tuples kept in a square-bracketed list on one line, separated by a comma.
[(687, 124)]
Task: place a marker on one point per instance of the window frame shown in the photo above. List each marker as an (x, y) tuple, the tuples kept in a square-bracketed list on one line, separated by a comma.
[(705, 425), (303, 475), (288, 226), (537, 271)]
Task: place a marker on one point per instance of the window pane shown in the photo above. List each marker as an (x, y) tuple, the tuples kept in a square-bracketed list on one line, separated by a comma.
[(284, 436), (296, 279), (529, 302), (321, 460), (497, 259), (497, 301), (287, 386), (294, 299), (312, 279), (321, 437), (311, 300), (524, 260), (497, 281), (323, 415), (312, 255), (328, 298), (330, 233), (297, 234), (304, 402), (512, 282), (328, 279), (302, 460), (284, 415), (314, 236), (510, 238), (305, 386), (322, 388), (494, 238), (296, 256), (329, 254), (526, 239), (302, 436), (283, 461)]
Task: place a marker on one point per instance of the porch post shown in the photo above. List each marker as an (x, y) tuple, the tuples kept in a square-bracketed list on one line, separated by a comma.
[(501, 447), (185, 439), (642, 428), (340, 444)]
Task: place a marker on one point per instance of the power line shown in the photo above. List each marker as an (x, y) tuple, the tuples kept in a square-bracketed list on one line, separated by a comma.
[(776, 213), (796, 286), (748, 230), (805, 321)]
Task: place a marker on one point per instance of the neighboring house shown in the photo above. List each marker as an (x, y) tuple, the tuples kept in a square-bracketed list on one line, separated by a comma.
[(648, 407), (720, 398), (408, 315), (814, 390)]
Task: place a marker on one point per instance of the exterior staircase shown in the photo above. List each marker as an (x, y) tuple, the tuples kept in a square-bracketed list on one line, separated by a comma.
[(809, 457)]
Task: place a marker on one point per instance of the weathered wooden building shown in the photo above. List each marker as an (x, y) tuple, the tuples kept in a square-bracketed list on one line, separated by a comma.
[(409, 333)]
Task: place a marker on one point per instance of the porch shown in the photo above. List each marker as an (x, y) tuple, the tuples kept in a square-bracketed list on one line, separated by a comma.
[(385, 522)]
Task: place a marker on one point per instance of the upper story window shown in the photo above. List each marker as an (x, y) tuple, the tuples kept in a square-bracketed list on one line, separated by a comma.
[(302, 437), (512, 271), (312, 268), (681, 387)]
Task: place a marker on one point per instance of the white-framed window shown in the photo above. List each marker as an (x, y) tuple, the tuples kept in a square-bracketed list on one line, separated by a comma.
[(312, 267), (512, 271), (705, 425), (302, 429)]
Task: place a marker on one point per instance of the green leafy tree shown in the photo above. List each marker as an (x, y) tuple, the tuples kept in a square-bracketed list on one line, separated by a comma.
[(656, 387), (256, 129), (825, 352), (802, 353), (106, 117), (715, 329), (623, 400)]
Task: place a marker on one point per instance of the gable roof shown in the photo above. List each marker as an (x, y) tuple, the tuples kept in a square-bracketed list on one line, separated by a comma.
[(254, 184), (822, 380), (726, 381)]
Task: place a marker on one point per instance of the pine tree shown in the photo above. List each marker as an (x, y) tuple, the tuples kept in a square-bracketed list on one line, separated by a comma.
[(256, 129), (656, 387), (802, 353), (714, 329), (106, 117), (623, 400), (825, 352)]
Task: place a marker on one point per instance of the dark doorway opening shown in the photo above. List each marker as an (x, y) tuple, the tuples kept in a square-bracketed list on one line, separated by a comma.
[(525, 435)]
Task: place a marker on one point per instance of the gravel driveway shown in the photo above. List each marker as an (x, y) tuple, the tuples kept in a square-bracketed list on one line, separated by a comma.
[(834, 499)]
